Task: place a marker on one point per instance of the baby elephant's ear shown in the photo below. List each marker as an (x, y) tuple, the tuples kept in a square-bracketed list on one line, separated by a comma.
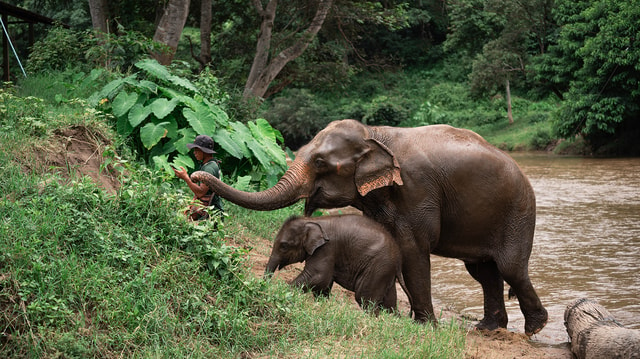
[(314, 237)]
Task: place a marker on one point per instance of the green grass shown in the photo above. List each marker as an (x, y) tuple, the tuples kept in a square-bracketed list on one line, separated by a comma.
[(84, 273)]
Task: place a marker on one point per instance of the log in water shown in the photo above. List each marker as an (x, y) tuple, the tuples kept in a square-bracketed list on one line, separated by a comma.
[(595, 333)]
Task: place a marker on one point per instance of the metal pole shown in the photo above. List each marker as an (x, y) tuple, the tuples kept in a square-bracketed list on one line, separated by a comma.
[(12, 48)]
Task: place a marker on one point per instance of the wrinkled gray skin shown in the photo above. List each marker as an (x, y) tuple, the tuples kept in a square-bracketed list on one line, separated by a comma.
[(436, 189), (351, 250)]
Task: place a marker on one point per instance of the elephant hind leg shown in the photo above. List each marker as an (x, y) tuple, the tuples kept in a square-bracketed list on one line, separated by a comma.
[(377, 298), (495, 313), (390, 300), (535, 316)]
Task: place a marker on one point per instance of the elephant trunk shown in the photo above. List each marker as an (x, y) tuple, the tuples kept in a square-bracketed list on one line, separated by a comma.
[(293, 186), (271, 267)]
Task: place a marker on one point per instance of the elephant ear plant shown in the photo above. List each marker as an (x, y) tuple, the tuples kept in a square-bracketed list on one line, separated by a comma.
[(162, 112), (437, 189)]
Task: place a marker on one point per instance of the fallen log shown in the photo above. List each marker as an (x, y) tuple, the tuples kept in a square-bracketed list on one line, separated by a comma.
[(595, 334)]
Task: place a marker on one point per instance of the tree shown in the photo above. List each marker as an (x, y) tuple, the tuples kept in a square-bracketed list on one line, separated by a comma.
[(170, 28), (99, 13), (515, 31), (597, 54), (265, 67), (205, 34)]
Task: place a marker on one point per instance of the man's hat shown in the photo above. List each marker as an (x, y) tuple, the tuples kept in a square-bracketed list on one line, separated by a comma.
[(203, 142)]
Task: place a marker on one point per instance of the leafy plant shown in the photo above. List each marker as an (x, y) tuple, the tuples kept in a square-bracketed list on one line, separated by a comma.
[(162, 112), (21, 113), (60, 49)]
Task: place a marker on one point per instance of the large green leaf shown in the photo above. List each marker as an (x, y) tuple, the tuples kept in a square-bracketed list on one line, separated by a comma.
[(123, 103), (241, 135), (221, 117), (242, 183), (265, 135), (182, 82), (151, 86), (154, 68), (161, 107), (123, 126), (151, 134), (259, 153), (138, 114), (171, 125), (187, 136), (183, 161), (201, 120), (162, 162), (223, 138)]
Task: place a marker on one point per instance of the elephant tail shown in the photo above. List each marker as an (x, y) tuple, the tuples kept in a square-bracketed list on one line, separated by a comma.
[(406, 291)]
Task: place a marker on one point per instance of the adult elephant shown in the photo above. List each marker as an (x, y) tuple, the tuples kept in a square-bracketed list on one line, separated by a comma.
[(437, 189)]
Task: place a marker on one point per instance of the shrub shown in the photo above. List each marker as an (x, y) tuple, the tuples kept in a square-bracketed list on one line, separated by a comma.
[(21, 113), (161, 113), (60, 49), (63, 49), (298, 116)]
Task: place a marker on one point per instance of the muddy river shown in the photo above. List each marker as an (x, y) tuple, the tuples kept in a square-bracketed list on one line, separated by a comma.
[(587, 244)]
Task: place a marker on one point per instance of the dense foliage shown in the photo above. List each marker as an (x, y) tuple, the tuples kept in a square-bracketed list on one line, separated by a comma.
[(162, 112), (596, 63), (583, 53)]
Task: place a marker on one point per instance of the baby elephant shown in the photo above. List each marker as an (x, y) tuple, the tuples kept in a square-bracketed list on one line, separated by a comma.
[(351, 250)]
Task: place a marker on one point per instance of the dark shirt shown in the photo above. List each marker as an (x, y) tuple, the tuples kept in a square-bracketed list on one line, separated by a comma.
[(213, 168)]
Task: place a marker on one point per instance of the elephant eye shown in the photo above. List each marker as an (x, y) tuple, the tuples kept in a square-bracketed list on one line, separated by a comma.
[(319, 163)]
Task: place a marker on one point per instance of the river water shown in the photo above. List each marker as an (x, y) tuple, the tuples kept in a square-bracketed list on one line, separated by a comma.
[(587, 244)]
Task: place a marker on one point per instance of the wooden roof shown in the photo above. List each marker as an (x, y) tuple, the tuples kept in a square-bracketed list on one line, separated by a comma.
[(24, 15)]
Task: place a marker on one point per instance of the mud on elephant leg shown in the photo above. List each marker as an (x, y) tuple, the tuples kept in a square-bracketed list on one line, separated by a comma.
[(495, 313)]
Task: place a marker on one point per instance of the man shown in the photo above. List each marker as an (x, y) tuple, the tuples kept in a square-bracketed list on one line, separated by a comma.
[(203, 151)]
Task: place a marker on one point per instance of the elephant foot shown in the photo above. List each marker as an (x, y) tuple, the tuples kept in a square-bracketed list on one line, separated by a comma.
[(534, 323), (487, 324), (492, 322)]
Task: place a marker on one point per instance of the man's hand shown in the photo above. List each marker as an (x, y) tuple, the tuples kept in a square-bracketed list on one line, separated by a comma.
[(181, 173)]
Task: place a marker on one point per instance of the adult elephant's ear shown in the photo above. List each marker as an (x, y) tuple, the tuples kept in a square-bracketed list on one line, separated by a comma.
[(314, 237), (376, 168)]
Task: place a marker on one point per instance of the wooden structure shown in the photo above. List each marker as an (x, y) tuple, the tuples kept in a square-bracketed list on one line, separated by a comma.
[(18, 16), (595, 334)]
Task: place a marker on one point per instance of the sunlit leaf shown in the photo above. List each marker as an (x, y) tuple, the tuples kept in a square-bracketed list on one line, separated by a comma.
[(154, 68), (151, 134), (138, 114), (187, 135), (183, 161), (224, 140), (161, 107), (123, 102)]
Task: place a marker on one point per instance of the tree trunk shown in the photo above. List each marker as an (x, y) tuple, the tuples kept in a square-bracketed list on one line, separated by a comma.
[(595, 333), (205, 34), (509, 113), (170, 28), (264, 71), (99, 10)]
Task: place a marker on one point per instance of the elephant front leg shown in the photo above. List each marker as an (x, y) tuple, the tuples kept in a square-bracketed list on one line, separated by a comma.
[(416, 270), (316, 278)]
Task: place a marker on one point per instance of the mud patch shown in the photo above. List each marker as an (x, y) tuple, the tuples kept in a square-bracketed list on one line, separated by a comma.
[(72, 153)]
